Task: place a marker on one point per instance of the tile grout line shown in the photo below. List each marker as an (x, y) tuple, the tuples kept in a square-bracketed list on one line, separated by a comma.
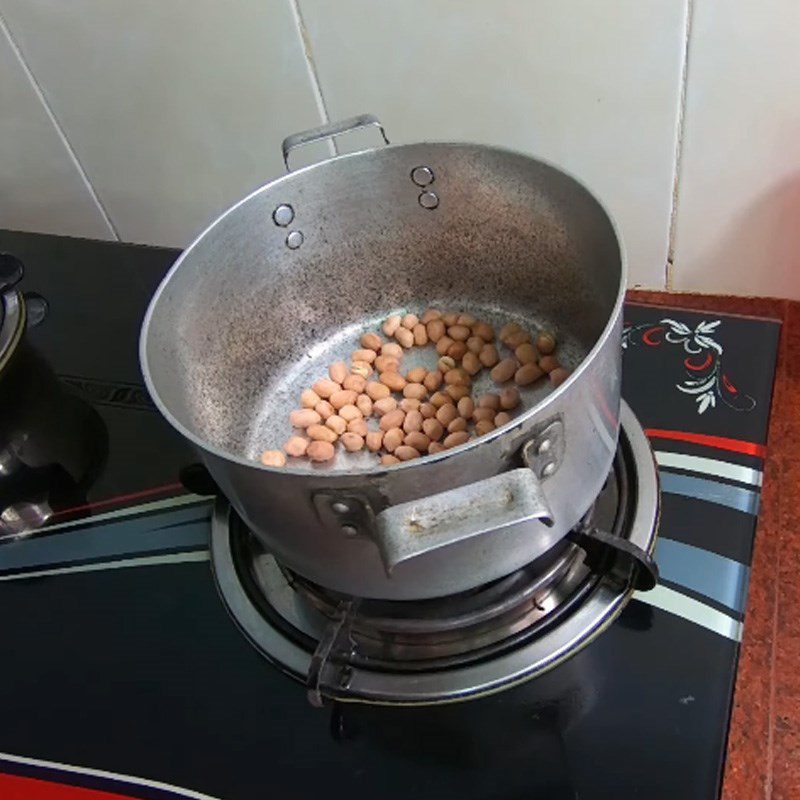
[(669, 268), (311, 67), (37, 89)]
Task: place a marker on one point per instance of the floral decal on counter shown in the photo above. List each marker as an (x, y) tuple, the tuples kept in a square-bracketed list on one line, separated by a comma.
[(705, 377)]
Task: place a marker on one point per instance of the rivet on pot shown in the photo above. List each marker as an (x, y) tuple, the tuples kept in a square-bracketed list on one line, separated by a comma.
[(544, 447), (349, 530), (429, 200), (339, 507), (294, 240), (548, 470), (283, 215), (422, 176)]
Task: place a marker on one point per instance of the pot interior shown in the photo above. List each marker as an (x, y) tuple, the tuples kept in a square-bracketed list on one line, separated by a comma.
[(243, 323)]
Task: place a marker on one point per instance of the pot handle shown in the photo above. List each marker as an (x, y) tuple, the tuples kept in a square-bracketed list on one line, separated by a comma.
[(502, 502), (329, 131)]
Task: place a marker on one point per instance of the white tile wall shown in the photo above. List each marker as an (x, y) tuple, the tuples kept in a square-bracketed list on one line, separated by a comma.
[(175, 108), (41, 187), (738, 221), (593, 86)]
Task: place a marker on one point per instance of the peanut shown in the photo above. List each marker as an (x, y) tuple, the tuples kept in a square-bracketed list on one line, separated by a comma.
[(394, 380), (484, 426), (384, 406), (457, 377), (303, 417), (394, 419), (418, 440), (324, 409), (415, 390), (377, 390), (337, 424), (457, 350), (504, 370), (433, 380), (435, 329), (549, 363), (481, 414), (343, 397), (273, 458), (406, 452), (365, 354), (527, 374), (409, 404), (457, 392), (321, 433), (526, 354), (387, 364), (503, 418), (350, 412), (489, 401), (409, 321), (387, 460), (559, 375), (352, 442), (517, 338), (355, 382), (455, 439), (325, 388), (450, 318), (466, 319), (489, 355), (475, 344), (458, 424), (443, 345), (484, 330), (446, 414), (412, 422), (507, 330), (371, 341), (445, 364), (358, 426), (438, 399), (362, 368), (459, 333), (338, 371), (364, 404), (374, 440), (435, 447), (465, 407), (392, 439), (309, 398), (471, 363), (427, 410), (392, 349), (430, 315), (296, 446), (416, 375), (546, 342), (320, 451), (404, 337), (391, 324), (433, 429), (509, 398)]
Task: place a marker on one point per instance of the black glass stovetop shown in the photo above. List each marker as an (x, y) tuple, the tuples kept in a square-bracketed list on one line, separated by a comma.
[(121, 672)]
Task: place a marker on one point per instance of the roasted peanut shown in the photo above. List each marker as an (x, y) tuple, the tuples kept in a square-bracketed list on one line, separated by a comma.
[(489, 401), (394, 419), (484, 330), (458, 424), (527, 374), (455, 439), (459, 333), (406, 452), (320, 451), (357, 425), (446, 414), (480, 414), (546, 342), (417, 440), (309, 398), (465, 407), (484, 426), (432, 428), (377, 390), (433, 380), (387, 364), (457, 392), (435, 329), (559, 375), (412, 422), (364, 404), (450, 318), (356, 383), (322, 433), (384, 406), (457, 377), (392, 349), (362, 368), (466, 319), (503, 418), (337, 424), (364, 354), (325, 388), (439, 399), (392, 439), (342, 398), (391, 324), (504, 371), (508, 329), (526, 353), (430, 315), (516, 339), (409, 404), (443, 345), (394, 380), (416, 375), (427, 410), (489, 356), (371, 341), (404, 337), (273, 458), (352, 442), (509, 398), (475, 344), (457, 350), (415, 390), (409, 321), (549, 363), (324, 409), (350, 412), (387, 460), (296, 446), (303, 417), (435, 447), (374, 440), (445, 364), (471, 363), (338, 371)]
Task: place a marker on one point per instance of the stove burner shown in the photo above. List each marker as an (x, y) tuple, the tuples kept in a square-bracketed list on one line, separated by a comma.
[(457, 647)]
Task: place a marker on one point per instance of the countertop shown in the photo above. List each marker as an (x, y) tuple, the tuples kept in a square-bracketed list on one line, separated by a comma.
[(763, 757)]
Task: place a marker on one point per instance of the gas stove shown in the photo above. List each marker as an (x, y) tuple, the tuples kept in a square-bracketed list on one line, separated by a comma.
[(128, 671)]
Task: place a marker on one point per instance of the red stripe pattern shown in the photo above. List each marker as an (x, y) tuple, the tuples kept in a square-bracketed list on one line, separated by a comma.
[(15, 787), (718, 442)]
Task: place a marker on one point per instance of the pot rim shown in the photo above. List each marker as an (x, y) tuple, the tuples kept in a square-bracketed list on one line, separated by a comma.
[(428, 459)]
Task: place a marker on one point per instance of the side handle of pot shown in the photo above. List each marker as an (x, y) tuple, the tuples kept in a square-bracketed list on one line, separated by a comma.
[(329, 131), (499, 503)]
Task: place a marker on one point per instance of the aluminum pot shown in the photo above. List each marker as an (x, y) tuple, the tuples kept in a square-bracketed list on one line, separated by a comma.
[(283, 283)]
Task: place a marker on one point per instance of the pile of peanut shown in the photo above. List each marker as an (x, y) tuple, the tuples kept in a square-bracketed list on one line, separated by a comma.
[(421, 411)]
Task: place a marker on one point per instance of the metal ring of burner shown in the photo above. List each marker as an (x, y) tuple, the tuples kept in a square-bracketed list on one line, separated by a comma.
[(515, 665)]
